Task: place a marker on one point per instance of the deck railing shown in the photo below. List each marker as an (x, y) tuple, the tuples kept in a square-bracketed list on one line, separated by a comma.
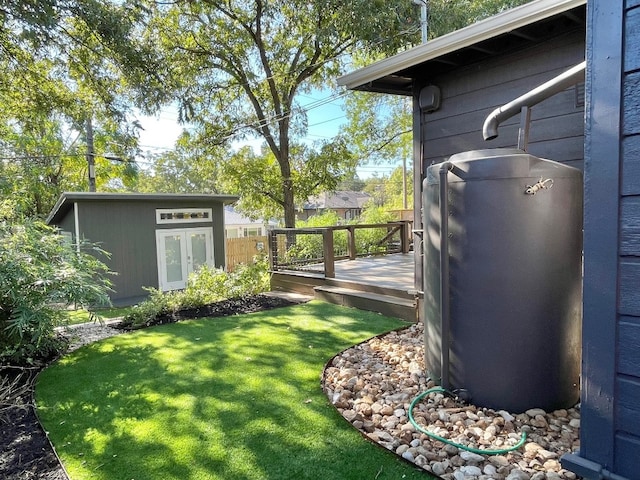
[(315, 250)]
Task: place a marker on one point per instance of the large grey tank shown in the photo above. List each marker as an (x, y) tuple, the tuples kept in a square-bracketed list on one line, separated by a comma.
[(513, 251)]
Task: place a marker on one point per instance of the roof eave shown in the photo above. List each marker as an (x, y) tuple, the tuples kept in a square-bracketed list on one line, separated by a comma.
[(477, 32), (67, 198)]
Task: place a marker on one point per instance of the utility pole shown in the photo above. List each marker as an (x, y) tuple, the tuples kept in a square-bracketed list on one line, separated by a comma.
[(424, 7), (91, 156)]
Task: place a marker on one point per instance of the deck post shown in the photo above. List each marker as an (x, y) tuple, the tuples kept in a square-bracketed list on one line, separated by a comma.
[(351, 242), (404, 237), (329, 260)]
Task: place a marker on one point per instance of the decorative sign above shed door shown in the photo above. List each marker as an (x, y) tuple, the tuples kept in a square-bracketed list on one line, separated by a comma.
[(180, 252)]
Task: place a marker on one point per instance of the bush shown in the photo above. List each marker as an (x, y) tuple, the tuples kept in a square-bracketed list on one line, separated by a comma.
[(41, 275), (369, 240), (310, 246), (208, 285)]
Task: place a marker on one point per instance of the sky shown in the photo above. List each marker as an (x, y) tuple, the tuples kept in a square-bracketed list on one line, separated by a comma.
[(325, 112)]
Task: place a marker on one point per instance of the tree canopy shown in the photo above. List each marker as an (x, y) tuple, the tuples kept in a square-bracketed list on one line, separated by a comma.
[(378, 127), (238, 67), (64, 62)]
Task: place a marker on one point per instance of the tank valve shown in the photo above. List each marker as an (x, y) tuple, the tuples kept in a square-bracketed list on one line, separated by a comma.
[(541, 185)]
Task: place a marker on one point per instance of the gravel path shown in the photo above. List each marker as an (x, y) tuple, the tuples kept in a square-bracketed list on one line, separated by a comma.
[(85, 333), (373, 384)]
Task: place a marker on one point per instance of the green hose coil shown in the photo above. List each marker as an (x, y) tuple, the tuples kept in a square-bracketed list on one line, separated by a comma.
[(501, 451)]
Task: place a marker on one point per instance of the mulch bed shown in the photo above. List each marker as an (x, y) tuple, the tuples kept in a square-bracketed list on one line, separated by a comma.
[(25, 450)]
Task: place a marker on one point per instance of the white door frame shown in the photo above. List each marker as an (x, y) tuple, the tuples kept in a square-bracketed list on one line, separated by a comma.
[(186, 254)]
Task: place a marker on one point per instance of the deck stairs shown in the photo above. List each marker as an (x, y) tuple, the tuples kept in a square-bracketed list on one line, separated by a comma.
[(376, 298)]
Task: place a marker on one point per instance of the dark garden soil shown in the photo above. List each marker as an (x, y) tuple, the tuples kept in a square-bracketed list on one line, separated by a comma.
[(25, 450)]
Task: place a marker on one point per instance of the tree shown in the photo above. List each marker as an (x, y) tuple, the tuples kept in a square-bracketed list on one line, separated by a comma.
[(238, 67), (387, 190), (379, 125), (185, 169), (63, 62), (448, 15)]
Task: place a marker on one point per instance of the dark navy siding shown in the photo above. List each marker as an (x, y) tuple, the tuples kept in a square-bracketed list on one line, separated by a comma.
[(610, 423), (602, 169), (627, 400), (469, 94)]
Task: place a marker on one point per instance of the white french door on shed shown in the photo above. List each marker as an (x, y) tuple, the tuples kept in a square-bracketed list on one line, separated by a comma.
[(180, 252)]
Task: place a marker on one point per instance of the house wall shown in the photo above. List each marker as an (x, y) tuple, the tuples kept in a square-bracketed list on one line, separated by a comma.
[(344, 213), (238, 231), (627, 414), (127, 230), (469, 94), (610, 407)]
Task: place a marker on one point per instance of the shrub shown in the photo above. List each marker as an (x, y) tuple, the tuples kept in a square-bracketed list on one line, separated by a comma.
[(369, 240), (208, 285), (41, 275), (310, 246)]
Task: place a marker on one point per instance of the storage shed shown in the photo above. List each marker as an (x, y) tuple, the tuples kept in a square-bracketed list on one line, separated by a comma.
[(155, 240)]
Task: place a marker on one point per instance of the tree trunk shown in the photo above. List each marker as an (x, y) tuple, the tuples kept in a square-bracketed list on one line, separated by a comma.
[(289, 204)]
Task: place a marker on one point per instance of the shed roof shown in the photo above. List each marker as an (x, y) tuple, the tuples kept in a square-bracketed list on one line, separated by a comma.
[(508, 31), (67, 199)]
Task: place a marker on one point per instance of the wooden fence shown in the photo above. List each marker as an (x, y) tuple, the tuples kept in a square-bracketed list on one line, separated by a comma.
[(242, 250)]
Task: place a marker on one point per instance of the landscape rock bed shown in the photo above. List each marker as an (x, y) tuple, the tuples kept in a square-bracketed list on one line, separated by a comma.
[(373, 384)]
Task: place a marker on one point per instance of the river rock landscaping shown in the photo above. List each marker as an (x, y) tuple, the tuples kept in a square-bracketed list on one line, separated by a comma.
[(373, 384)]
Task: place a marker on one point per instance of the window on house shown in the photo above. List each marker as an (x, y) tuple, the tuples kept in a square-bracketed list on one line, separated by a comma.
[(253, 232), (183, 215)]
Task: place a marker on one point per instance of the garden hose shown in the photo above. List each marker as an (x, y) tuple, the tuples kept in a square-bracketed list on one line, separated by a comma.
[(449, 442)]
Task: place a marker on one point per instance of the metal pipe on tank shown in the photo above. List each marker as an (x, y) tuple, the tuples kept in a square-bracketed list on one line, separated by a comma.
[(555, 85), (445, 307)]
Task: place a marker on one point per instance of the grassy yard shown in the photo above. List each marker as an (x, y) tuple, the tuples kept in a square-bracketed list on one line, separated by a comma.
[(227, 398), (82, 316)]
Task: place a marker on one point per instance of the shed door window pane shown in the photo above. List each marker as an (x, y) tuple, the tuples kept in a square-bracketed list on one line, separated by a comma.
[(198, 250), (173, 256)]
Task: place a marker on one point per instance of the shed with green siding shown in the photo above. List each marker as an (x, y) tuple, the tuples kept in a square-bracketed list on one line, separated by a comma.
[(154, 240)]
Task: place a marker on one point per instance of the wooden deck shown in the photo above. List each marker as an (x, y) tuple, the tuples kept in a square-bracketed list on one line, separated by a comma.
[(392, 271), (383, 284)]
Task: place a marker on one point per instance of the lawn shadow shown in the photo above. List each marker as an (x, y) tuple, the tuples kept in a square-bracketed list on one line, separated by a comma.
[(232, 397)]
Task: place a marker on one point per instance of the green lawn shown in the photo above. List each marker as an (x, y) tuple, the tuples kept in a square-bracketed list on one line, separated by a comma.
[(82, 316), (226, 398)]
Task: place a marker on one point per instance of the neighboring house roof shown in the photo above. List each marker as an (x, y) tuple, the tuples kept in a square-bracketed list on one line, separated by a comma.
[(67, 199), (231, 217), (336, 200), (511, 30)]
